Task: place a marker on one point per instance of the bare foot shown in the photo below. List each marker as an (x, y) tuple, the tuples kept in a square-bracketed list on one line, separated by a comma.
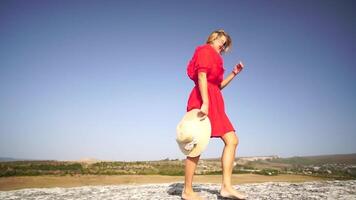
[(191, 196), (232, 193)]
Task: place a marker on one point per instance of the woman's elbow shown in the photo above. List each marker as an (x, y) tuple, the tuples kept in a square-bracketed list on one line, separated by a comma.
[(201, 76)]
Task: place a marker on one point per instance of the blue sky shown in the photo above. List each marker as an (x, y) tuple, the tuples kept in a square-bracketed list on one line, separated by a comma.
[(107, 79)]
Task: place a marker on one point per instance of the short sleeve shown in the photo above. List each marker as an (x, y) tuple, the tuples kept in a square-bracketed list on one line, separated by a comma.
[(203, 60)]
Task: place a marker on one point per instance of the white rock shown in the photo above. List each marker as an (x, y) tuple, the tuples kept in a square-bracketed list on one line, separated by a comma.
[(263, 191)]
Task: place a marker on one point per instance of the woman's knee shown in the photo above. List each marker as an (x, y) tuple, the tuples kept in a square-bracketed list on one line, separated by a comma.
[(231, 139)]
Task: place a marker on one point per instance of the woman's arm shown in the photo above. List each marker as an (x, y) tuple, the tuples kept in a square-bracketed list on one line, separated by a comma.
[(203, 88), (235, 71), (227, 80)]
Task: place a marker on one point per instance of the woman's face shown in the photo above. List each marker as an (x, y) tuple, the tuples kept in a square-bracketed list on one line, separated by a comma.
[(219, 43)]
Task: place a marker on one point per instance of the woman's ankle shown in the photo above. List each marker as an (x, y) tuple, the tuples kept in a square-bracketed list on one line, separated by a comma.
[(226, 186), (187, 190)]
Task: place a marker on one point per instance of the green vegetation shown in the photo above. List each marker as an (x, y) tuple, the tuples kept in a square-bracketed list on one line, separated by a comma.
[(268, 172), (213, 173), (338, 167), (35, 168)]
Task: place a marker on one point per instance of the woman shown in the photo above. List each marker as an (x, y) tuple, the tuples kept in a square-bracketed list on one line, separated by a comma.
[(207, 71)]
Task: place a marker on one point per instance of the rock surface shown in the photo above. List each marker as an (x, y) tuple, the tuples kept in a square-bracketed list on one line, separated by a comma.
[(269, 190)]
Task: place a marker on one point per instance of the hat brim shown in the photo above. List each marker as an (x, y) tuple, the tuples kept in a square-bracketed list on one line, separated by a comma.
[(202, 133)]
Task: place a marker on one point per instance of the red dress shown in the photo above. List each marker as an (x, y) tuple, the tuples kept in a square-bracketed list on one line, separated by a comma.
[(207, 59)]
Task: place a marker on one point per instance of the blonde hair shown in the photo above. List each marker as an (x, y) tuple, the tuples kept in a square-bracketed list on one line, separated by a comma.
[(217, 34)]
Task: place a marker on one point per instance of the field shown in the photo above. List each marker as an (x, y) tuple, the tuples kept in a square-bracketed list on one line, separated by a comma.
[(51, 173), (19, 182)]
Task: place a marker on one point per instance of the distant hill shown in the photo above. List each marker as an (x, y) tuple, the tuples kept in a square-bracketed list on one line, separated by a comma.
[(322, 159), (9, 159), (4, 159), (317, 159)]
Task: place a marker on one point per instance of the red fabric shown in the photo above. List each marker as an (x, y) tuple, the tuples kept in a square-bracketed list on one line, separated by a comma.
[(206, 59)]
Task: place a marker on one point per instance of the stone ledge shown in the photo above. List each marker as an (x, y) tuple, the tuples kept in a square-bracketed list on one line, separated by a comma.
[(264, 191)]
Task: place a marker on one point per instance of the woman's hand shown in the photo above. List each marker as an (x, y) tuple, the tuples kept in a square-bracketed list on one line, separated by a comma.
[(238, 67), (204, 110)]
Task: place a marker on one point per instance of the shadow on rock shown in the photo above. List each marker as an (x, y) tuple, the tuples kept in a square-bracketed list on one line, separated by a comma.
[(176, 189), (214, 192)]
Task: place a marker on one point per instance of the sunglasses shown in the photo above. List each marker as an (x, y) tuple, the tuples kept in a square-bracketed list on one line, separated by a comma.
[(224, 45)]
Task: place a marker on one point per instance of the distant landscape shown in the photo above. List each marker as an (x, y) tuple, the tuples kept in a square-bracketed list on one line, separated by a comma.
[(340, 166)]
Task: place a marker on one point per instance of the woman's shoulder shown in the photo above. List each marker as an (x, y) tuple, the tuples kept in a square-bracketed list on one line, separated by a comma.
[(207, 49), (204, 48)]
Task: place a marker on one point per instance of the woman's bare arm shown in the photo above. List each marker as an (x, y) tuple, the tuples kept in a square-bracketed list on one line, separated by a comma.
[(203, 88), (227, 80), (237, 69)]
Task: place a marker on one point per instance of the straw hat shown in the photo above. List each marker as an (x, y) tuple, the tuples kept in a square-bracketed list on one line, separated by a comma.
[(193, 133)]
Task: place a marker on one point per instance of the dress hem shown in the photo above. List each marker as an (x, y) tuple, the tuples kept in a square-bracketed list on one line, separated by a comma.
[(219, 136)]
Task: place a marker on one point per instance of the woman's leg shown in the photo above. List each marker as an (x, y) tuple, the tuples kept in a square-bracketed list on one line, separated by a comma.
[(227, 161), (190, 166)]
